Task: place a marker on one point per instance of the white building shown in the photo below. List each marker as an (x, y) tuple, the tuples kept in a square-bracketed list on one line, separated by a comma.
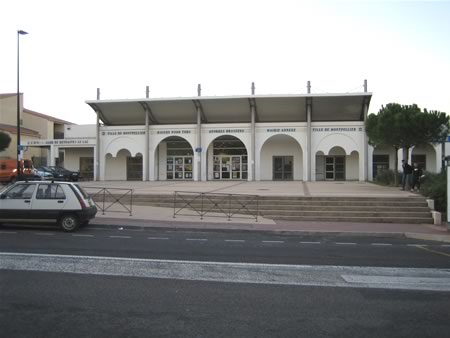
[(307, 137)]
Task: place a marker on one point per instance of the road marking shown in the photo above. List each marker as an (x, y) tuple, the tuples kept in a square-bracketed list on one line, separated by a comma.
[(344, 243), (8, 232), (275, 242), (119, 236), (196, 239), (164, 238), (254, 273), (416, 245), (235, 240), (43, 233), (82, 235), (309, 242), (433, 251), (381, 244), (446, 245)]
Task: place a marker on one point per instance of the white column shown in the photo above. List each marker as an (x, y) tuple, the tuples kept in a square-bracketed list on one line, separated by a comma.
[(97, 139), (152, 164), (204, 164), (198, 152), (313, 167), (448, 194), (146, 148), (95, 161), (365, 175), (438, 151), (251, 176), (308, 154), (370, 167), (101, 165), (53, 154)]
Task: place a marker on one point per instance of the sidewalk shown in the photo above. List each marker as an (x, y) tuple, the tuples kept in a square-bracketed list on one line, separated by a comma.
[(157, 217)]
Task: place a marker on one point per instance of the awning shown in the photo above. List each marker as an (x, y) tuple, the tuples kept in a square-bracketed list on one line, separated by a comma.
[(232, 109)]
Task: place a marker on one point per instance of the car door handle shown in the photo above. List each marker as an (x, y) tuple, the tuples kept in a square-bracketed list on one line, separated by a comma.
[(27, 201), (60, 201)]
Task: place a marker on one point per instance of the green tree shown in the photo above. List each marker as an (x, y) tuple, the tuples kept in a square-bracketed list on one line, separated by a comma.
[(405, 126), (384, 129), (5, 140)]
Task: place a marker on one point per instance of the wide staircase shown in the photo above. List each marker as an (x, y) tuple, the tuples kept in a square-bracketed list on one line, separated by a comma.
[(335, 209)]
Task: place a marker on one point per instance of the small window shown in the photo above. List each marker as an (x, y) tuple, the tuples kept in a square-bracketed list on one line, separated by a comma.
[(21, 191), (50, 191), (3, 166), (380, 163)]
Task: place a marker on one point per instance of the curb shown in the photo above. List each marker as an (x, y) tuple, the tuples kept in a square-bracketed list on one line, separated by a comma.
[(430, 237)]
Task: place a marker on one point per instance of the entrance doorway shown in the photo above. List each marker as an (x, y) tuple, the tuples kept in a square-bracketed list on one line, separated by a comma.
[(335, 168), (283, 168), (134, 168), (179, 167), (230, 167), (230, 160), (179, 159)]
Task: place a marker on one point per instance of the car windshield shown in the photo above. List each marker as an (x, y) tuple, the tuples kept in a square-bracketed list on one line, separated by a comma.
[(80, 189)]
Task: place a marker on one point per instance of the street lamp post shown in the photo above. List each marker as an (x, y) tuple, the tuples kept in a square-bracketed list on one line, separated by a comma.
[(19, 33)]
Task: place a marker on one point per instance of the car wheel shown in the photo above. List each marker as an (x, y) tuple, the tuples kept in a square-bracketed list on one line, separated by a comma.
[(69, 222)]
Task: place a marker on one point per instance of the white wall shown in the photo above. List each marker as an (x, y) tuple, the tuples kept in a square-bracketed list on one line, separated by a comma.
[(162, 165), (430, 154), (80, 131), (210, 161), (116, 167), (352, 167), (72, 157)]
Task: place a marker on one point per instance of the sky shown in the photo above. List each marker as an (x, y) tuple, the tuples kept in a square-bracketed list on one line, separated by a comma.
[(74, 47)]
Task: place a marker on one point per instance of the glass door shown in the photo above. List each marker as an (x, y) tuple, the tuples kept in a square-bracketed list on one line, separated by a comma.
[(283, 168), (230, 167), (329, 168), (236, 167), (226, 167), (335, 168), (134, 168), (339, 168), (179, 167)]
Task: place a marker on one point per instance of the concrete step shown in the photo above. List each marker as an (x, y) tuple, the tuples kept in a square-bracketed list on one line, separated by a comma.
[(422, 208), (342, 214), (346, 209), (400, 220)]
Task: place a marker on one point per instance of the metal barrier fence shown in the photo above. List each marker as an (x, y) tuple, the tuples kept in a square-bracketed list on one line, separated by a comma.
[(112, 199), (215, 205)]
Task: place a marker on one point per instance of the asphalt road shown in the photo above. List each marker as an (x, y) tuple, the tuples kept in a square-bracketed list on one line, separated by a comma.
[(158, 283), (228, 246)]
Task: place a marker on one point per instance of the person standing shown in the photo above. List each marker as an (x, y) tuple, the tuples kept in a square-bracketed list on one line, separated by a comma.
[(416, 175), (406, 177)]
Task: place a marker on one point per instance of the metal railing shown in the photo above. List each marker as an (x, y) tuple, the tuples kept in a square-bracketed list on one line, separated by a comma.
[(112, 199), (215, 205)]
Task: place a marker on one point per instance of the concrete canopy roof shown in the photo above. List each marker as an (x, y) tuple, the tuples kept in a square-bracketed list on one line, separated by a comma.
[(232, 109)]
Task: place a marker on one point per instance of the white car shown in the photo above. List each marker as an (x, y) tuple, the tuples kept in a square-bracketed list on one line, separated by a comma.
[(65, 202)]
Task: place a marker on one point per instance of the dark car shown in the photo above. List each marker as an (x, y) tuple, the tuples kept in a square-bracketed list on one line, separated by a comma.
[(65, 174), (45, 173)]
